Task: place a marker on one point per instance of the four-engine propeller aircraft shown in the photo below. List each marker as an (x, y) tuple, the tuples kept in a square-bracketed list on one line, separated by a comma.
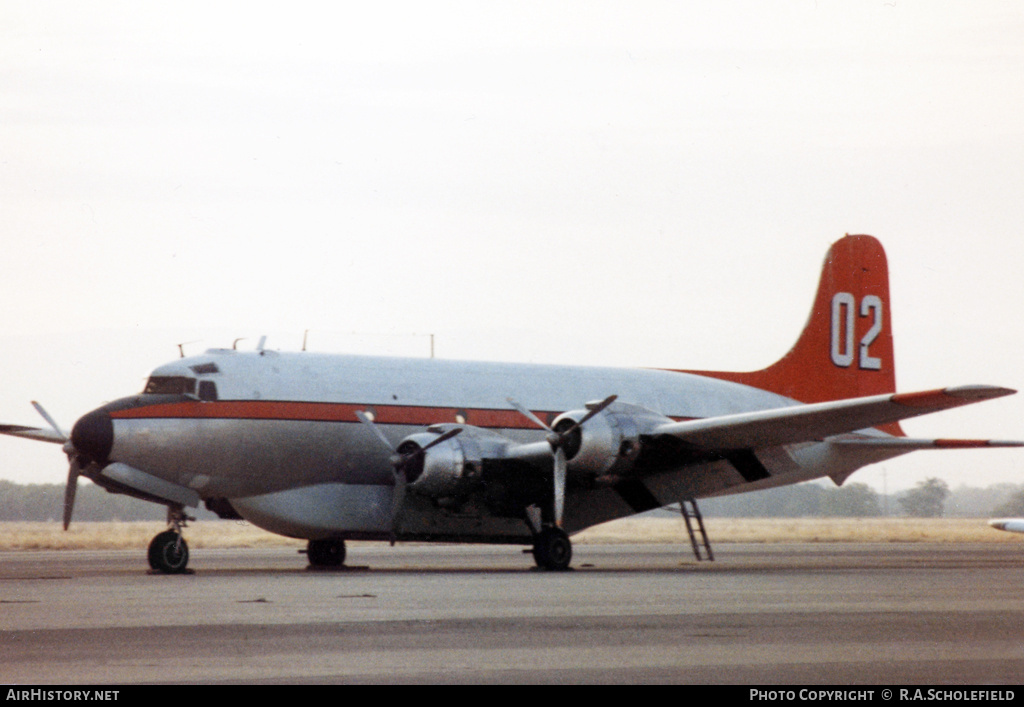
[(330, 447)]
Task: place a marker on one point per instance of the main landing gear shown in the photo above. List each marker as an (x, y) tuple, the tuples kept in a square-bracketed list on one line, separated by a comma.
[(552, 549), (168, 551), (324, 554)]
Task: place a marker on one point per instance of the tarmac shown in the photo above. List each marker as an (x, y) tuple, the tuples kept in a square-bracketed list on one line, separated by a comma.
[(759, 615)]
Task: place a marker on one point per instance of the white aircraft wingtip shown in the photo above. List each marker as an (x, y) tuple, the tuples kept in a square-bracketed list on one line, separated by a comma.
[(1011, 525)]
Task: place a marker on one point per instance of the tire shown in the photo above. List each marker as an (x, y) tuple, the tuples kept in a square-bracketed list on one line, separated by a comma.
[(326, 553), (552, 550), (168, 553)]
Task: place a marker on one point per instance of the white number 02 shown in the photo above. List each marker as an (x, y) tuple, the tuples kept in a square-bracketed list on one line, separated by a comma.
[(843, 319)]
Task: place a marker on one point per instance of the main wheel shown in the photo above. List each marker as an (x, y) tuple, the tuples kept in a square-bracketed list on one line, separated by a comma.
[(552, 550), (326, 553), (168, 553)]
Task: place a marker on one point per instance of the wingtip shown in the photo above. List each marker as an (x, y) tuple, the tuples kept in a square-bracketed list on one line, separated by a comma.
[(976, 443), (979, 392), (1011, 525), (961, 395)]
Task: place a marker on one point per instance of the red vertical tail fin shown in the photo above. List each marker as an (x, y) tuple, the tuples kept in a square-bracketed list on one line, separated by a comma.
[(846, 349)]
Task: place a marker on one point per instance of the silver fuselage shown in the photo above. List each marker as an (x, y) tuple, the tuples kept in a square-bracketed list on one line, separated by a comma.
[(280, 439)]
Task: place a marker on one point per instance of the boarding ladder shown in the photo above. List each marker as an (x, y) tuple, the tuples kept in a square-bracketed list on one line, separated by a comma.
[(690, 511)]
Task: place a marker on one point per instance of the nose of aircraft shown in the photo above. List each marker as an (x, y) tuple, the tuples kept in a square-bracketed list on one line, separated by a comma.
[(93, 435)]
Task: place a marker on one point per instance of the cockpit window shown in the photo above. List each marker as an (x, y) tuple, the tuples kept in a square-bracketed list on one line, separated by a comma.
[(170, 385), (202, 368)]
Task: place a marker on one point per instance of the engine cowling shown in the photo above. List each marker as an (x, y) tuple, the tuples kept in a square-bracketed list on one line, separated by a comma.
[(608, 443), (453, 467)]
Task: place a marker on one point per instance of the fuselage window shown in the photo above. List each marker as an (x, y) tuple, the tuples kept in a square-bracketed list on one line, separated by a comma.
[(170, 385), (207, 390)]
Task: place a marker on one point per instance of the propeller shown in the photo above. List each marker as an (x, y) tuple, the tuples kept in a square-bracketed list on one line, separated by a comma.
[(74, 468), (559, 440), (46, 416), (401, 462)]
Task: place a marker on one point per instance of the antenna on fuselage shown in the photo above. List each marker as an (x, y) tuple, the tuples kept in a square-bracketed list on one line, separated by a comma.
[(234, 344), (305, 336), (181, 347)]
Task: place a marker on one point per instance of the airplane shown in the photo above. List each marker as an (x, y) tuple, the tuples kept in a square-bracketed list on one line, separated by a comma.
[(1010, 525), (331, 448)]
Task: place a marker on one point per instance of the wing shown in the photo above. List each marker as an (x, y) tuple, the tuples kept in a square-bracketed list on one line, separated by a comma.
[(815, 422)]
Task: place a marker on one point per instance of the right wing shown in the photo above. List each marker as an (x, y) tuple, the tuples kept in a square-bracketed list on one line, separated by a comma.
[(815, 422)]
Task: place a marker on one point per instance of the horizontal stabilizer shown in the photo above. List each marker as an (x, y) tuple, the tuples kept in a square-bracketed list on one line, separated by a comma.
[(814, 422)]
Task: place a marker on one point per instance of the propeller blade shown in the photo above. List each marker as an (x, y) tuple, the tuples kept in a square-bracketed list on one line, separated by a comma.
[(526, 413), (46, 416), (557, 440), (398, 501), (366, 420), (400, 484), (594, 409), (559, 473), (443, 438), (69, 492), (400, 463)]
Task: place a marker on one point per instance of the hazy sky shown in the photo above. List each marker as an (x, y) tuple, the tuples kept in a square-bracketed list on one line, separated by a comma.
[(624, 183)]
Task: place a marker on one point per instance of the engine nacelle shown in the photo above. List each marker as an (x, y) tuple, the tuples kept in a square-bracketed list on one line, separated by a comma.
[(453, 467), (609, 442)]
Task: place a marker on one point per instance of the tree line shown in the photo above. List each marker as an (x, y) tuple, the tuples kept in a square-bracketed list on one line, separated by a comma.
[(45, 502), (931, 498)]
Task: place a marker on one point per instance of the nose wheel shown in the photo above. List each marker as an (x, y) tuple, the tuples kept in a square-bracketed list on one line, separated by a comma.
[(168, 551), (552, 549)]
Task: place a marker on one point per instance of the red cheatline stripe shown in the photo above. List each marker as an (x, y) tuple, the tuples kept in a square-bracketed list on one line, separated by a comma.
[(327, 412), (333, 412)]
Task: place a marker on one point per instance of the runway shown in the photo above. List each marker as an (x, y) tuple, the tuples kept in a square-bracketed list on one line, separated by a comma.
[(836, 614)]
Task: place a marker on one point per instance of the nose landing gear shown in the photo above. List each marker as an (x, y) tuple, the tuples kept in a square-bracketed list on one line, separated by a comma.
[(168, 551)]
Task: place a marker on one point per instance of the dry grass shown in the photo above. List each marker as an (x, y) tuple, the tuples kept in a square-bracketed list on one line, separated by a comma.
[(778, 530), (125, 535), (206, 534)]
